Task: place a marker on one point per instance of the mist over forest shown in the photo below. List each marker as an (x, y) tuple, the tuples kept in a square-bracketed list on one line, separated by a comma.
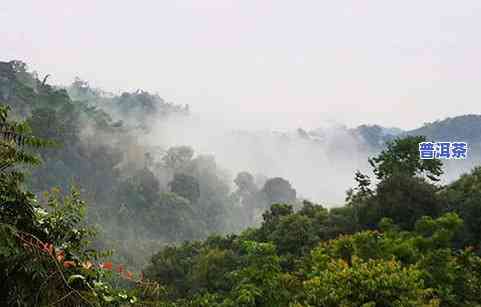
[(163, 185), (224, 153), (110, 141), (299, 156)]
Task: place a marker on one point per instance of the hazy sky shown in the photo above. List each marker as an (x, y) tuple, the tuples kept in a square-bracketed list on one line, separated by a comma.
[(276, 64)]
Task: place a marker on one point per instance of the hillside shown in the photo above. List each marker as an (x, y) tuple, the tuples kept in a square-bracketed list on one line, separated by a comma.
[(403, 239), (462, 128), (146, 121)]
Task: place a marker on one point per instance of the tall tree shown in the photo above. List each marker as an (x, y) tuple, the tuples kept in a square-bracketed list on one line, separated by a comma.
[(402, 157)]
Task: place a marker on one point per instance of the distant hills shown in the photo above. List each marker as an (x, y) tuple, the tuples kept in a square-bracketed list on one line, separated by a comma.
[(332, 151), (463, 128), (466, 128)]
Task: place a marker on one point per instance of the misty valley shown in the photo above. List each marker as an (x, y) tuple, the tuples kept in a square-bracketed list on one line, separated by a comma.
[(125, 199)]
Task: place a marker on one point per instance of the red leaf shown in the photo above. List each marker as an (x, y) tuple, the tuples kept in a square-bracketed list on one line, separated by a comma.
[(60, 256), (106, 265), (128, 274), (68, 264)]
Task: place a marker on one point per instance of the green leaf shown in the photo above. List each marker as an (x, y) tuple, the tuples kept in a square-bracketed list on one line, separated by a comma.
[(108, 298), (75, 277)]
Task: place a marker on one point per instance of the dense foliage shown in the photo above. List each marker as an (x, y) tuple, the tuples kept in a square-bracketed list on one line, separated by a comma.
[(141, 196), (402, 238), (45, 257), (399, 242)]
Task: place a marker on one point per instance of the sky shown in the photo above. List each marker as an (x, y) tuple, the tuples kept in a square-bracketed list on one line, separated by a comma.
[(263, 64)]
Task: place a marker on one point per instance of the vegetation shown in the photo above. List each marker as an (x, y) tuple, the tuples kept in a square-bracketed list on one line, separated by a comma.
[(402, 239), (45, 256)]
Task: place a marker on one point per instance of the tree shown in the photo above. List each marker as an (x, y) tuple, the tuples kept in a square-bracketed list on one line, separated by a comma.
[(15, 138), (247, 194), (211, 270), (45, 255), (404, 199), (367, 283), (402, 193), (261, 282), (278, 190), (245, 183), (185, 186), (463, 196), (358, 197), (402, 157), (178, 157)]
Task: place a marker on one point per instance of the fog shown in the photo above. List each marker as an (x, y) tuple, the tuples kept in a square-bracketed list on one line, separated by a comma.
[(330, 152), (269, 64), (261, 67), (179, 120), (320, 163)]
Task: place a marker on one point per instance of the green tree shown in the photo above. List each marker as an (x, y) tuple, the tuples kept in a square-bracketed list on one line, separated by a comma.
[(367, 283), (463, 196), (261, 282), (402, 192), (405, 200), (44, 249), (278, 190), (402, 157), (185, 186), (178, 157)]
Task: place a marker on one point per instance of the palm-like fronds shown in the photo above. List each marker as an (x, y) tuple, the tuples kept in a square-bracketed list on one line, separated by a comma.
[(15, 138)]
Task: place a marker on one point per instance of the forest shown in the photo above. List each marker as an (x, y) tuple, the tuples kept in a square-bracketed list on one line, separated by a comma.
[(93, 214)]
